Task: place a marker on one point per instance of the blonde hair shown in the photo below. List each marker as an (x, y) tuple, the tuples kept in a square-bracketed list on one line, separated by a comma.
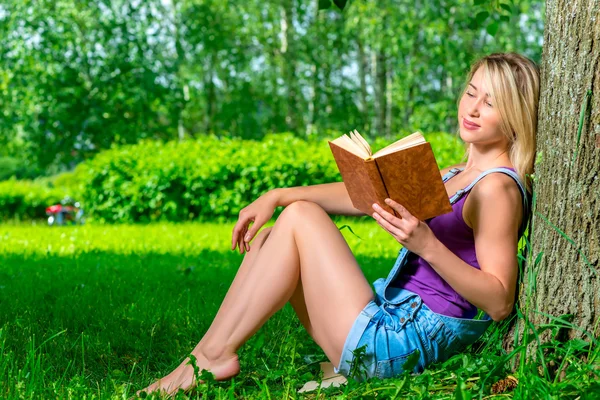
[(513, 82)]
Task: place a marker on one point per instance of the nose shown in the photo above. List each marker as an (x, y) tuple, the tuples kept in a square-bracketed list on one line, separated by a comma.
[(473, 108)]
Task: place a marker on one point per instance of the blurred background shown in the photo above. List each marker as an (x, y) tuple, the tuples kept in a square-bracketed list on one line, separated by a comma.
[(193, 82)]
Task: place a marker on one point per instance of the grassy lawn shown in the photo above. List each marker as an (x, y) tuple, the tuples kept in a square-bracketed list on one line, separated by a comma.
[(101, 311)]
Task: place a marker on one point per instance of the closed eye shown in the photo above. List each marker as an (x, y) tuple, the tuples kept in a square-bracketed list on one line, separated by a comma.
[(471, 95)]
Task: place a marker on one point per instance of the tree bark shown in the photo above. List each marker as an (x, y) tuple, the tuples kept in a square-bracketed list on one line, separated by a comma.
[(362, 72), (181, 79), (380, 85), (211, 94), (289, 64), (565, 281), (388, 99)]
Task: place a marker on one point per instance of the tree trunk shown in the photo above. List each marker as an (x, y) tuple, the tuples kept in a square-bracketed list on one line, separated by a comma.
[(388, 99), (289, 64), (380, 85), (565, 281), (312, 100), (211, 94), (362, 72), (314, 86), (181, 79)]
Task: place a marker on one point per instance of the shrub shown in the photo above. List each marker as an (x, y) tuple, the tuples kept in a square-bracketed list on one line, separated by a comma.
[(210, 177), (26, 199)]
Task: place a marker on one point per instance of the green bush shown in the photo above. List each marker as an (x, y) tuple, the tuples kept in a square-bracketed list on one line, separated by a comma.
[(26, 199), (211, 177), (68, 182)]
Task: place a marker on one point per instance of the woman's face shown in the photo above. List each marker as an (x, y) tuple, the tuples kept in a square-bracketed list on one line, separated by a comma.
[(478, 108)]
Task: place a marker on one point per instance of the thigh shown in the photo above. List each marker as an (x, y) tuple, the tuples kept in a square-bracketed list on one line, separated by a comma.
[(335, 289)]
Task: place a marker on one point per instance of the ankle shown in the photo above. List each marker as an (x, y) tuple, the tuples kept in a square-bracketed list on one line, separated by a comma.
[(216, 352)]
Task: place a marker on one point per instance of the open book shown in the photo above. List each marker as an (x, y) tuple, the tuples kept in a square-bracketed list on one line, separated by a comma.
[(405, 171)]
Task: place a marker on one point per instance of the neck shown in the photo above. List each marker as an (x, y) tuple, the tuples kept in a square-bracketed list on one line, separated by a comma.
[(482, 158)]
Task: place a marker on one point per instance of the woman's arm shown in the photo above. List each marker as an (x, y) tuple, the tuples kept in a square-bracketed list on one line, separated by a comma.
[(332, 197), (495, 215)]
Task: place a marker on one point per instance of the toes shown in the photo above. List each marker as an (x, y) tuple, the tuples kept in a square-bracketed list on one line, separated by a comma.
[(154, 387)]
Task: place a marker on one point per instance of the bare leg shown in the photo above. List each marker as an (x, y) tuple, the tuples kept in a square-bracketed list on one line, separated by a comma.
[(297, 299), (233, 291), (305, 257)]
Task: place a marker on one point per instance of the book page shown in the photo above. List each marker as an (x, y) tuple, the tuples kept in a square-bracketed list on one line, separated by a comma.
[(362, 140), (411, 140), (351, 146)]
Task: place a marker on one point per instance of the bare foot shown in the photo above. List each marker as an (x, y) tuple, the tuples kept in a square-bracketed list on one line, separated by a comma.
[(183, 376)]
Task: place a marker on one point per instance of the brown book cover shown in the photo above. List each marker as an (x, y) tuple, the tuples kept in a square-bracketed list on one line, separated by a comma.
[(410, 176)]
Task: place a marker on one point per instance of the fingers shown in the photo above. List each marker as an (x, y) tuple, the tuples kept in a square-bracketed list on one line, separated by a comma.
[(245, 245), (243, 234), (252, 231), (235, 234), (393, 230), (240, 239), (387, 215), (238, 233), (403, 212)]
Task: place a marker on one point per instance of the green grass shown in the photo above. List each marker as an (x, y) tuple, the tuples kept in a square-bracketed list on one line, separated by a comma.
[(101, 311)]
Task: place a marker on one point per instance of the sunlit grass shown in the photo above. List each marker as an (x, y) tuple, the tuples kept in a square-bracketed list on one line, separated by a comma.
[(101, 311)]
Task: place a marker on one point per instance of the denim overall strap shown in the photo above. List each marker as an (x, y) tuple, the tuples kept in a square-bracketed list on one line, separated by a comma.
[(451, 173), (400, 262), (513, 175)]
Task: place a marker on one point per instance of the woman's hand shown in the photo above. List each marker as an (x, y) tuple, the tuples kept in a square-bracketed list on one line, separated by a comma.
[(259, 211), (409, 231)]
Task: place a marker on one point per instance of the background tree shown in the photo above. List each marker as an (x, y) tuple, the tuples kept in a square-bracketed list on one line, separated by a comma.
[(563, 281), (77, 77)]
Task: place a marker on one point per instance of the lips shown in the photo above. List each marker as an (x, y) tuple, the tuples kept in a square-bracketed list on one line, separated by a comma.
[(469, 123)]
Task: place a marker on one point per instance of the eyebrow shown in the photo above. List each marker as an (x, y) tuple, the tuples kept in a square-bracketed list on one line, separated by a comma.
[(487, 94)]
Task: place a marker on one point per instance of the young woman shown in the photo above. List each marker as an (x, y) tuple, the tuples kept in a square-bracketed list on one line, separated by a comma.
[(449, 265)]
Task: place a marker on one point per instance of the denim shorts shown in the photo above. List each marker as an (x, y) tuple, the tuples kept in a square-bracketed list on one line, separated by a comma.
[(397, 324)]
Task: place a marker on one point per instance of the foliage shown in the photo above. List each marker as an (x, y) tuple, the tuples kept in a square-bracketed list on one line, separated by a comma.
[(11, 167), (209, 178), (26, 199), (77, 77)]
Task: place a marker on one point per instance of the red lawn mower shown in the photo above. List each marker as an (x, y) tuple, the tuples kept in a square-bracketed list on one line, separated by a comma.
[(68, 211)]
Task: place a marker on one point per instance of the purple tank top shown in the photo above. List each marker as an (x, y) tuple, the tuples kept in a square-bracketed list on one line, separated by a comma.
[(419, 277)]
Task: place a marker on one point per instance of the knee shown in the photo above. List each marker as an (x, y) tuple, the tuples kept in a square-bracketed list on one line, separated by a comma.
[(299, 213), (302, 209)]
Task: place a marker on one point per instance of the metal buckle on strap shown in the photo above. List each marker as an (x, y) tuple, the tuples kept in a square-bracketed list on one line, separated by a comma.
[(459, 192), (454, 170)]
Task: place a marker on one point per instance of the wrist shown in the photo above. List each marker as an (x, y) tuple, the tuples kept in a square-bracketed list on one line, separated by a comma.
[(432, 250), (276, 196)]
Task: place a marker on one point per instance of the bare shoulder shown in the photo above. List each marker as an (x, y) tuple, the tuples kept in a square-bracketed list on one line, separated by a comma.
[(444, 171), (496, 193)]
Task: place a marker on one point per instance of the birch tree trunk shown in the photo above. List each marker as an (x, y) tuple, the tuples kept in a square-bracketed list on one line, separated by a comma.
[(289, 64), (566, 221), (362, 73), (379, 61)]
